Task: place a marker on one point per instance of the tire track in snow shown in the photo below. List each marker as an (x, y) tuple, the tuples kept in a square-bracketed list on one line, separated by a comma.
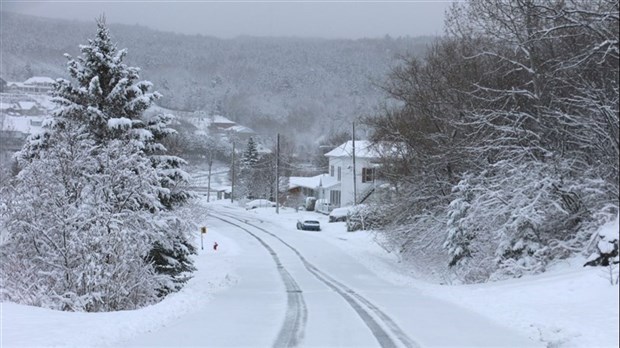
[(350, 296), (292, 331)]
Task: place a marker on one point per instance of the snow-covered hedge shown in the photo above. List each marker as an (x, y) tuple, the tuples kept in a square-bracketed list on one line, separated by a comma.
[(366, 217), (514, 219)]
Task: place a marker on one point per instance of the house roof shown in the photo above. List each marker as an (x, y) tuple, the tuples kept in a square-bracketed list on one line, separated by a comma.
[(363, 149), (223, 188), (313, 182), (241, 129), (221, 119), (26, 105), (262, 149), (38, 79)]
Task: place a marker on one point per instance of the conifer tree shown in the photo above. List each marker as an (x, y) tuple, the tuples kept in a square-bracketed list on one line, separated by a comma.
[(250, 155), (103, 107), (249, 176)]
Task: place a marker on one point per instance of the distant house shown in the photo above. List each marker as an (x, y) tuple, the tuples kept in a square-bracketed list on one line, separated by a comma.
[(223, 192), (220, 123), (8, 108), (337, 187), (13, 87), (36, 85), (241, 133), (341, 168), (317, 186), (28, 108), (40, 84)]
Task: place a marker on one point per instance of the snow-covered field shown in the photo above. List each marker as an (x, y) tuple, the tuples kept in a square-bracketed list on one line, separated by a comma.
[(569, 306)]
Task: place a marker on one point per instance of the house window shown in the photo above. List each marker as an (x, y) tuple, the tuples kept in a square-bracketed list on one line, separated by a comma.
[(334, 198), (368, 174), (331, 170), (339, 174)]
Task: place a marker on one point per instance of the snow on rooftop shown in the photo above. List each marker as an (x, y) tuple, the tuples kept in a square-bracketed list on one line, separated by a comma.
[(363, 149), (223, 188), (206, 121), (222, 119), (313, 182), (262, 149), (241, 129), (39, 80), (26, 105)]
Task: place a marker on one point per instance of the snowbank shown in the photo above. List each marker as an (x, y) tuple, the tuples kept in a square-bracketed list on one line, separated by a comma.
[(33, 326)]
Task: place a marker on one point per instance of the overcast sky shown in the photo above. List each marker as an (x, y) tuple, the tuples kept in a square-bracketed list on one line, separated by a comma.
[(227, 19)]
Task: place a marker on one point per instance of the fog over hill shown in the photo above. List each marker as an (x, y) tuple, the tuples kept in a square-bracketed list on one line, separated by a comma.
[(292, 85)]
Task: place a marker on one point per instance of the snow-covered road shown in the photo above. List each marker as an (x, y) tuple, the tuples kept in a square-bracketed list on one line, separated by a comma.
[(269, 284), (296, 289)]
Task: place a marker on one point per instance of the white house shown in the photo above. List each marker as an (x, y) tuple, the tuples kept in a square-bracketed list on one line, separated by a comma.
[(36, 84), (348, 191), (337, 186), (317, 186)]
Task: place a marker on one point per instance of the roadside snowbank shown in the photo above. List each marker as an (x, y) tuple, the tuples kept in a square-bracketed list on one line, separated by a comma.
[(27, 326)]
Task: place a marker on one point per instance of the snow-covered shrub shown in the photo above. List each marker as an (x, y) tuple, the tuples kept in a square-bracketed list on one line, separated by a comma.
[(418, 241), (366, 217), (606, 252), (521, 215), (80, 225)]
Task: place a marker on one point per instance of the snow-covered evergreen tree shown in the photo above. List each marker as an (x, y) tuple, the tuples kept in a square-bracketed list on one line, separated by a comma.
[(459, 238), (250, 181), (104, 111), (250, 155)]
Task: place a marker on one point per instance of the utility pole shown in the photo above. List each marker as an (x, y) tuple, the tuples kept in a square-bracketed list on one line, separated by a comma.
[(277, 173), (354, 177), (232, 169), (209, 180)]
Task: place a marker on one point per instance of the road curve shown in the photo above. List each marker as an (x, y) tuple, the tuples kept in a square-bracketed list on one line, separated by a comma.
[(292, 331), (362, 306)]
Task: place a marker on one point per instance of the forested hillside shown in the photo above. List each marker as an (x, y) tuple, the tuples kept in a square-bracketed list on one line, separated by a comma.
[(310, 86)]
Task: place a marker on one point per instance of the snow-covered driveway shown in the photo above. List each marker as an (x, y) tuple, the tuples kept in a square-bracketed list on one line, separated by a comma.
[(295, 289)]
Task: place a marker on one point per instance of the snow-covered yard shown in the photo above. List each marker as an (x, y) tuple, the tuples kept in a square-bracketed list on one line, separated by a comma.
[(569, 306)]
